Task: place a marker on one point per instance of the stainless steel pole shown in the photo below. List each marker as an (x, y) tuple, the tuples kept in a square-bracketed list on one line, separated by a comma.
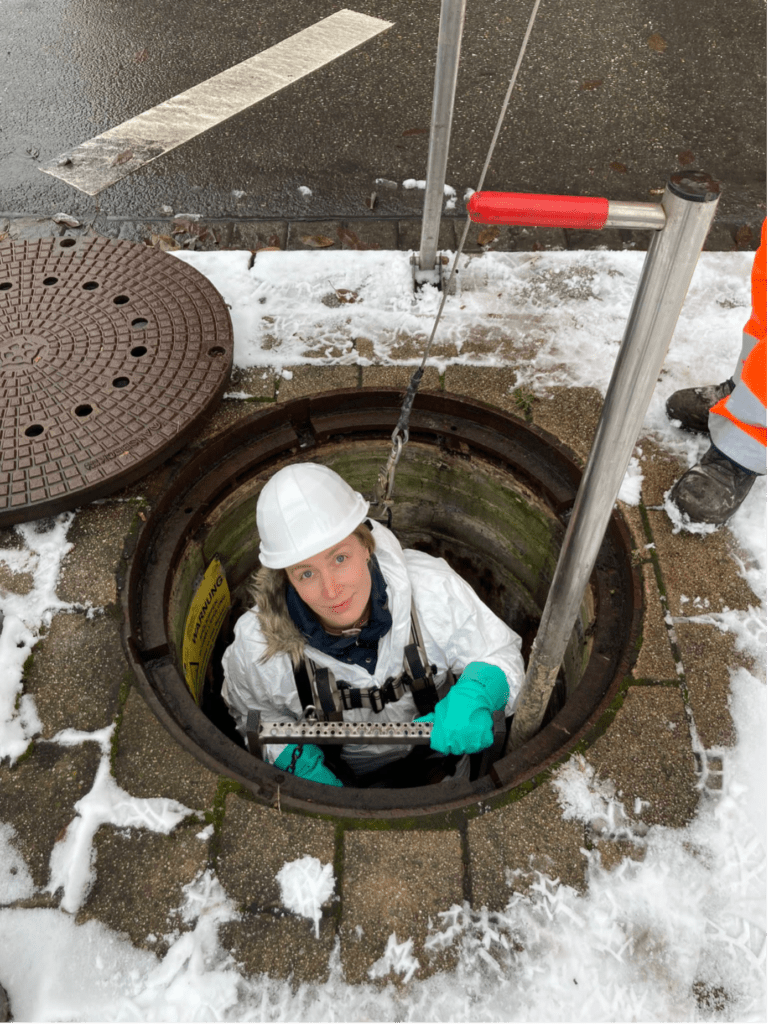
[(690, 203), (446, 69)]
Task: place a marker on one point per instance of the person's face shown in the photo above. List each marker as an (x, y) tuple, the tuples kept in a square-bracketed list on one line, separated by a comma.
[(335, 584)]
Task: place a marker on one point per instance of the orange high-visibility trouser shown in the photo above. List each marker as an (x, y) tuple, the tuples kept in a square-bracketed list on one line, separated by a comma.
[(737, 423)]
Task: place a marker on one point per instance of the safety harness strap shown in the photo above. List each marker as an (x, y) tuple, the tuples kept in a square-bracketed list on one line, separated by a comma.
[(331, 698)]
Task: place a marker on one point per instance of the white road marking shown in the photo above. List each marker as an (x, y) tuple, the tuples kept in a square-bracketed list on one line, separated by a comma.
[(107, 158)]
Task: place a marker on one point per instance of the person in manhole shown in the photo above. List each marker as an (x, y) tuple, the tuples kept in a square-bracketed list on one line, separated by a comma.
[(734, 414), (345, 615)]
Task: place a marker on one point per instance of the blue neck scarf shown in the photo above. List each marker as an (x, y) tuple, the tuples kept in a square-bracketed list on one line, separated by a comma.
[(352, 650)]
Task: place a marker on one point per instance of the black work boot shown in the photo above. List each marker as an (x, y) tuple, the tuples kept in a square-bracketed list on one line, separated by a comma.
[(692, 405), (713, 489)]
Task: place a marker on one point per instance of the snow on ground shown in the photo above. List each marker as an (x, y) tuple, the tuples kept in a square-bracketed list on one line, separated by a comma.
[(692, 912)]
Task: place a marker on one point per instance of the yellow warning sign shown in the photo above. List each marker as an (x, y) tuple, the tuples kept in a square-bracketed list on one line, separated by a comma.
[(204, 620)]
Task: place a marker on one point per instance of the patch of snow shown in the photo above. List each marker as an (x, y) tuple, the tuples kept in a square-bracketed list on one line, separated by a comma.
[(630, 488), (15, 880), (24, 619), (72, 858), (305, 190), (305, 885), (397, 958)]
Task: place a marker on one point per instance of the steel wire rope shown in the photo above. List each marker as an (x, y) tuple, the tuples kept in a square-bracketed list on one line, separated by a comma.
[(400, 435)]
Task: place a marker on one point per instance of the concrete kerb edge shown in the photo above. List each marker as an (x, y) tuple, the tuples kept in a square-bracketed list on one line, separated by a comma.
[(723, 236)]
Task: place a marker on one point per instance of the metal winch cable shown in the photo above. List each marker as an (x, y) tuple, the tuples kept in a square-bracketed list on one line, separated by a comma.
[(400, 435)]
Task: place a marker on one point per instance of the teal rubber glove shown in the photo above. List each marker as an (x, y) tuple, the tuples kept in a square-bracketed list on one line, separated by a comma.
[(308, 765), (463, 720)]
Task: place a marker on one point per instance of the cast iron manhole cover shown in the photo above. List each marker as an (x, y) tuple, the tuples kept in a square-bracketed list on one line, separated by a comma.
[(110, 355)]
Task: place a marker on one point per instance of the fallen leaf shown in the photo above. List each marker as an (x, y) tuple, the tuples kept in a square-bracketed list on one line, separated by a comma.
[(140, 56), (317, 241), (415, 131), (267, 248), (348, 237), (685, 157), (618, 167), (487, 236), (744, 235), (273, 241), (164, 242), (657, 43), (123, 157), (346, 295), (591, 83)]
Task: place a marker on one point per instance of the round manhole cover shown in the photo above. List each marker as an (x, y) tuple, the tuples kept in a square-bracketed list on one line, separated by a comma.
[(110, 355)]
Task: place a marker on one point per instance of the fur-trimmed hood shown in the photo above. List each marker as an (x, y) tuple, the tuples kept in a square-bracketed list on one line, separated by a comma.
[(268, 589)]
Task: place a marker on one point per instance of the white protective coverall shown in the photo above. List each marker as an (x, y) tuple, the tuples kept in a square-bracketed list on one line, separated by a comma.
[(456, 625)]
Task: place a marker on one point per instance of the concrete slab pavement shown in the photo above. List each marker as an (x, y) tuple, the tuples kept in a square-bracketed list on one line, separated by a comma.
[(659, 756)]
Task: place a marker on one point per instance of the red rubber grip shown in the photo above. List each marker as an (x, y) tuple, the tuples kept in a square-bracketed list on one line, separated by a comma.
[(537, 211)]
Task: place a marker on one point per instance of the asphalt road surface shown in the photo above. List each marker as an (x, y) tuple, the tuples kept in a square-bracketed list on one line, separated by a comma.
[(611, 99)]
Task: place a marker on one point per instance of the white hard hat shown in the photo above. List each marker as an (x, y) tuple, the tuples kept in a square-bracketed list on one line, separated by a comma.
[(303, 510)]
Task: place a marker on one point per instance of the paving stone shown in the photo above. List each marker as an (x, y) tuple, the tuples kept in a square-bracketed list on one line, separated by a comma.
[(17, 582), (660, 468), (97, 536), (346, 234), (227, 414), (571, 415), (255, 235), (610, 238), (707, 654), (495, 386), (139, 880), (410, 234), (394, 881), (632, 516), (510, 238), (699, 566), (76, 673), (283, 947), (511, 845), (646, 752), (38, 796), (256, 381), (149, 762), (655, 660), (307, 380), (399, 377), (256, 842), (615, 851)]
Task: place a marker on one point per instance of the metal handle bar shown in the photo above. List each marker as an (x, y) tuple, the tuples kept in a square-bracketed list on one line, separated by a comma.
[(390, 733), (590, 213)]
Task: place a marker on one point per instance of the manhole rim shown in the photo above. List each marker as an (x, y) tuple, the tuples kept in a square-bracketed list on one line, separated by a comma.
[(210, 746)]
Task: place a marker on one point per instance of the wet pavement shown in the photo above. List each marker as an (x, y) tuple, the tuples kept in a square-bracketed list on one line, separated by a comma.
[(610, 101), (663, 751)]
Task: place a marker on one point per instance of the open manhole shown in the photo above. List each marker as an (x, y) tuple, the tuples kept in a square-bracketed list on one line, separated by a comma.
[(111, 355), (480, 488)]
